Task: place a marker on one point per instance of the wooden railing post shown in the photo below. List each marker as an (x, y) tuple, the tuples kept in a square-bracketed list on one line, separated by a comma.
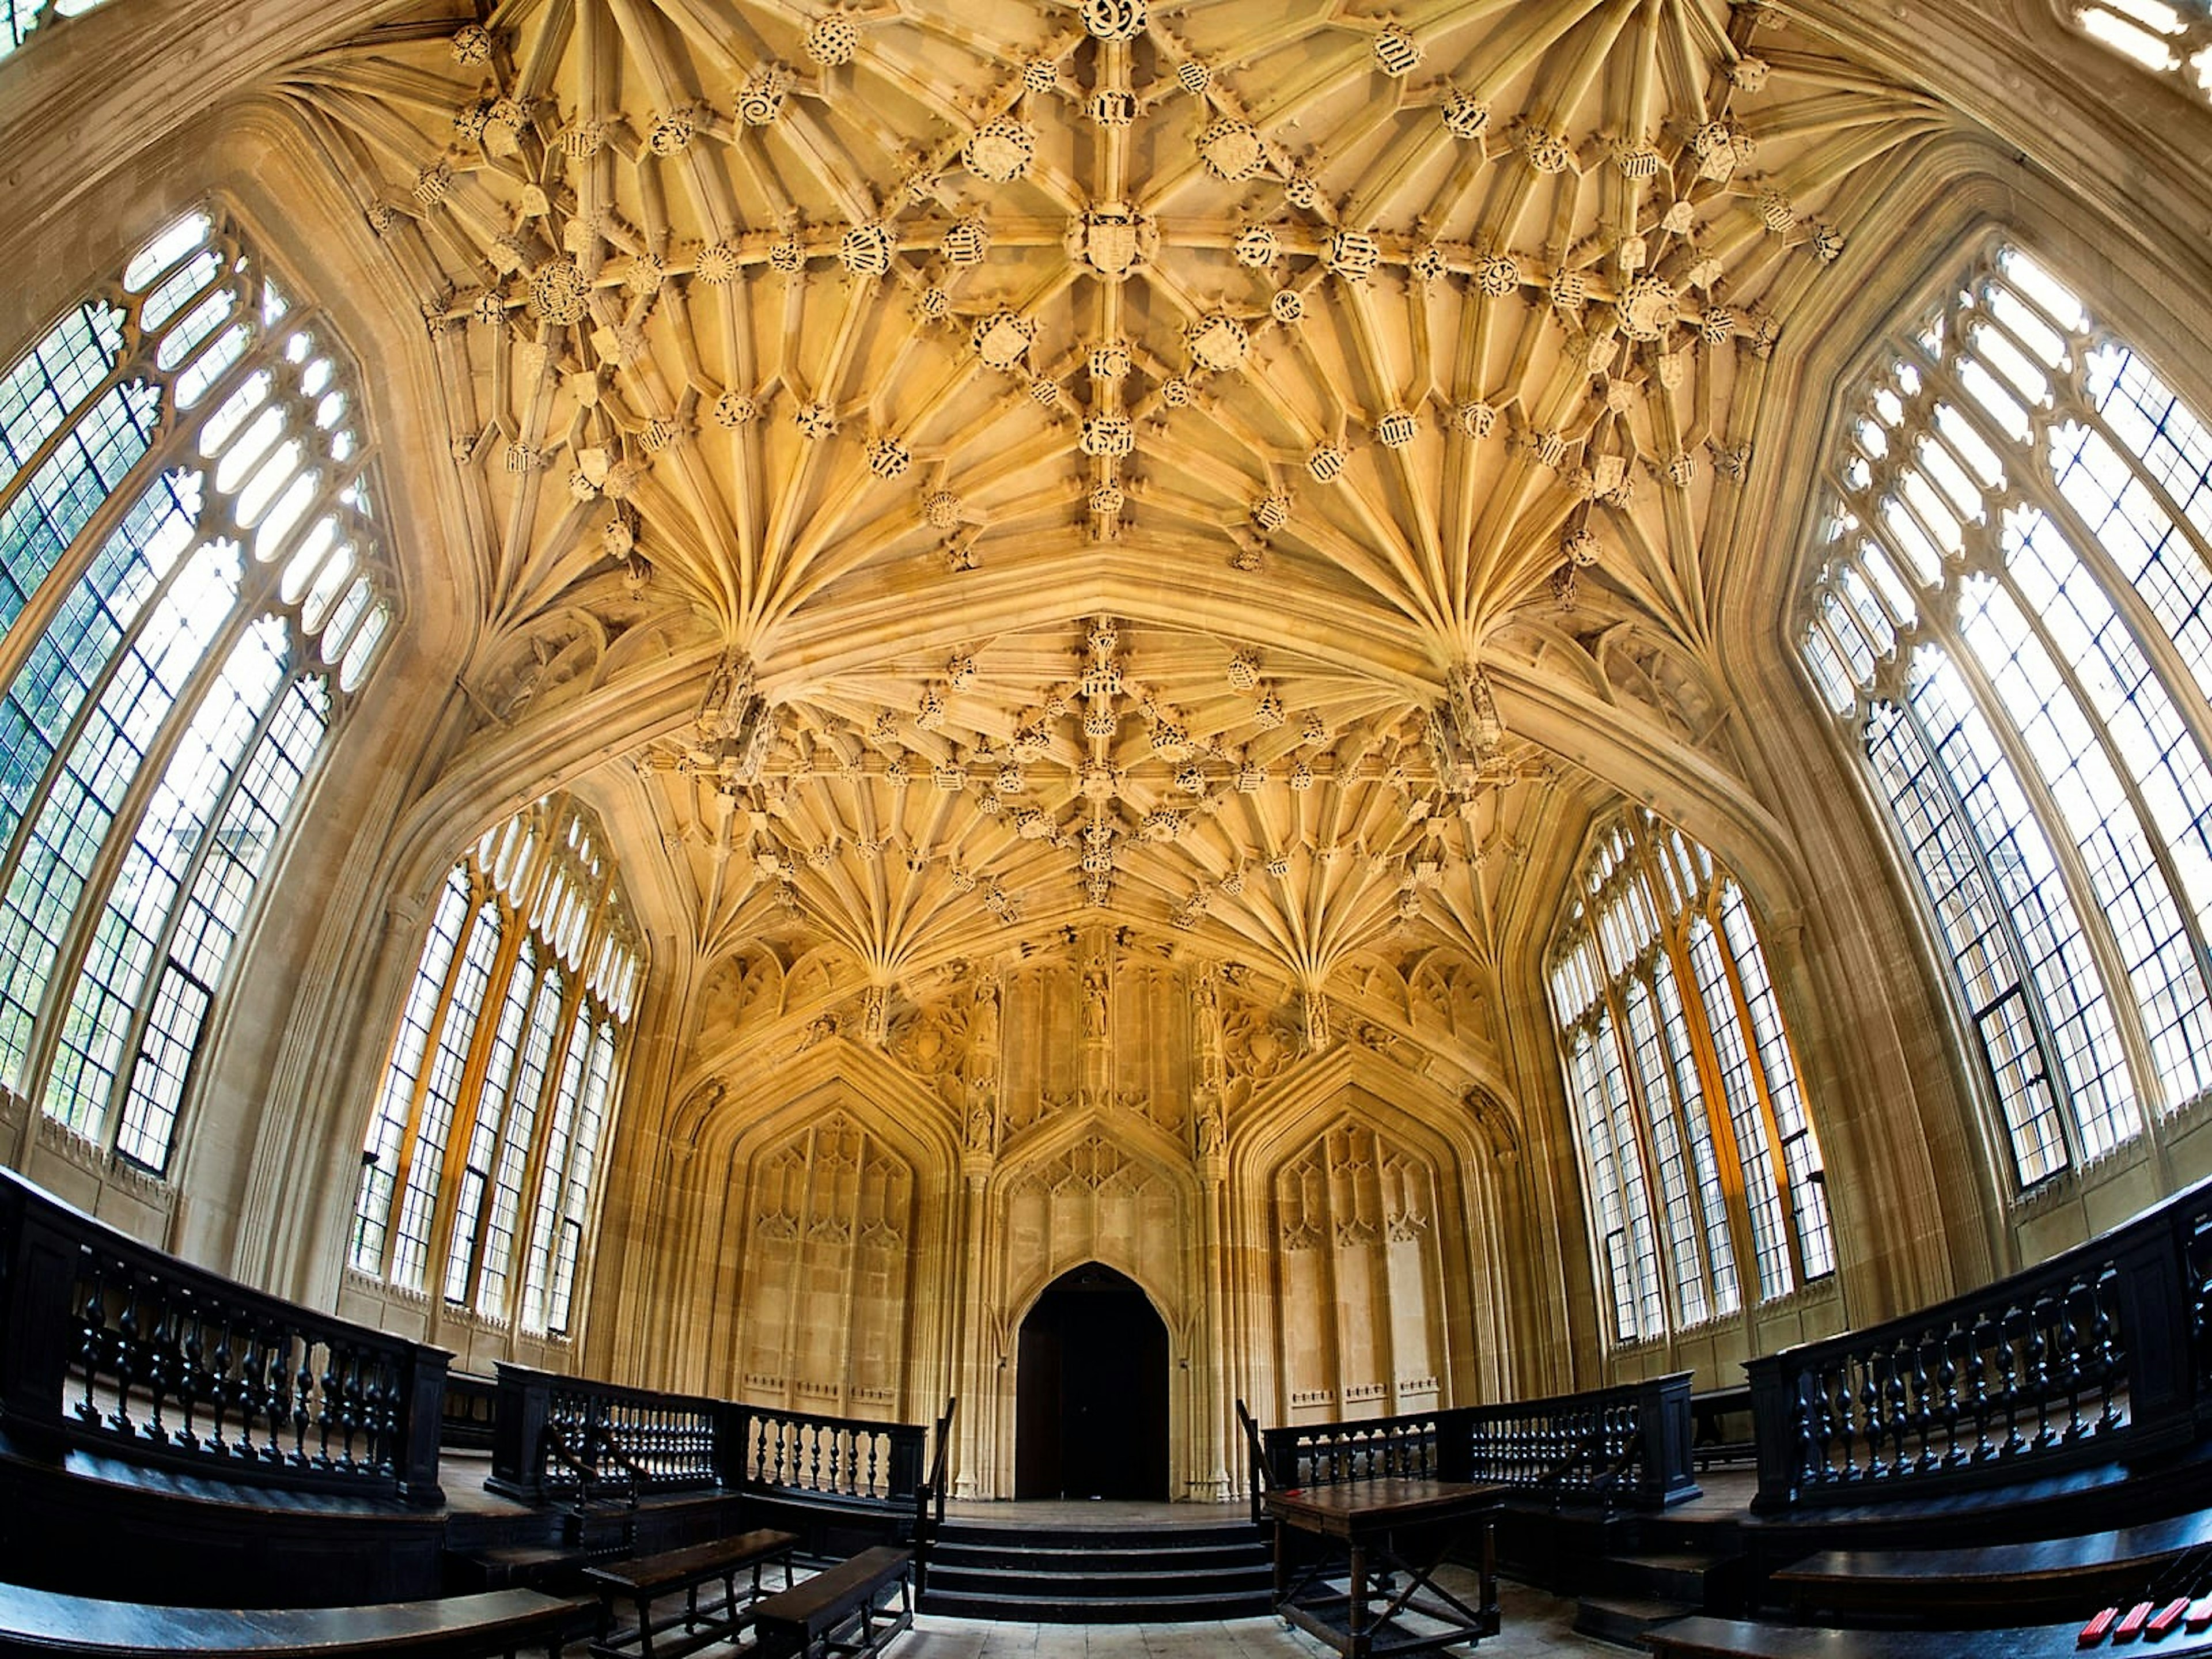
[(423, 1413), (1455, 1450), (2154, 1302), (906, 1454), (732, 1434), (518, 1444), (37, 1326), (1777, 1432), (1662, 1411)]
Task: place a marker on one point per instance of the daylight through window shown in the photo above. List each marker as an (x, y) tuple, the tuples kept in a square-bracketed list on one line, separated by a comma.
[(1704, 1178), (477, 1170), (2015, 619), (186, 522)]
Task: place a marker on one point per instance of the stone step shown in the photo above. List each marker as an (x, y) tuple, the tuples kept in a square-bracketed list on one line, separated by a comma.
[(1073, 1575), (1626, 1618)]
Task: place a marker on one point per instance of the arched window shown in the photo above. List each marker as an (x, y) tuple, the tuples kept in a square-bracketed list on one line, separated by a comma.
[(1704, 1176), (19, 17), (2015, 621), (480, 1155), (192, 591), (2172, 37)]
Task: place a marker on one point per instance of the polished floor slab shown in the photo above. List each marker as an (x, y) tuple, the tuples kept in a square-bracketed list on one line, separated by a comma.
[(1535, 1624)]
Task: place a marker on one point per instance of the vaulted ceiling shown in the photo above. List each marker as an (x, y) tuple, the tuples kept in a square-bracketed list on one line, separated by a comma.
[(1110, 462)]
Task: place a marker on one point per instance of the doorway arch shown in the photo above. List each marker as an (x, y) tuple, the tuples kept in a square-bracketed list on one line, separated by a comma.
[(1091, 1390)]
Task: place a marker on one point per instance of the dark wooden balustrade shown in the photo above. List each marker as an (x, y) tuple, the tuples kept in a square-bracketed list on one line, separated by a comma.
[(558, 1437), (1627, 1445), (2100, 1354), (111, 1346)]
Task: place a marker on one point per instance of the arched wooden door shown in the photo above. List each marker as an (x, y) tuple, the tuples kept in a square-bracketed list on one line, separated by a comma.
[(1092, 1392)]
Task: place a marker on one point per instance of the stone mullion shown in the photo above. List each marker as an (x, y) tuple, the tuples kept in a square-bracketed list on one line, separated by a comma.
[(1720, 1119), (466, 1109), (539, 1166), (1762, 1090)]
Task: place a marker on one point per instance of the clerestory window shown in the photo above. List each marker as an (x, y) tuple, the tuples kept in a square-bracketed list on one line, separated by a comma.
[(478, 1169), (192, 591), (2172, 38), (2014, 620), (1704, 1176), (18, 18)]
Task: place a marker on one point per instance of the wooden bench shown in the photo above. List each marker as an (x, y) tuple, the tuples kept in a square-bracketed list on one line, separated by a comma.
[(1704, 1637), (1712, 1412), (836, 1611), (2001, 1582), (643, 1578), (455, 1627)]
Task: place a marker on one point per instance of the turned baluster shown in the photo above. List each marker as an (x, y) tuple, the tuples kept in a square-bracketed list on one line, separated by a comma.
[(125, 1351), (1893, 1421), (92, 1334), (219, 1387), (2042, 1386), (303, 1410), (2008, 1389), (1982, 1344), (191, 1377), (1866, 1401), (1924, 1409), (1835, 1427), (1946, 1385), (159, 1365), (2105, 1344), (329, 1395), (2072, 1330), (1805, 1432)]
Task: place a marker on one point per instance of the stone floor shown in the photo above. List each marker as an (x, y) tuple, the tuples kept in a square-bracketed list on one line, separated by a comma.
[(1534, 1623)]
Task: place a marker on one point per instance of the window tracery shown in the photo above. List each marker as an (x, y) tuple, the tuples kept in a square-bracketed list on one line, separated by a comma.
[(2014, 619), (193, 588), (481, 1156), (1704, 1173), (18, 18), (2172, 38)]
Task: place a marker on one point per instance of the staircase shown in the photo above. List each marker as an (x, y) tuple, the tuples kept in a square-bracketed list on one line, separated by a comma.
[(1653, 1568), (1099, 1576)]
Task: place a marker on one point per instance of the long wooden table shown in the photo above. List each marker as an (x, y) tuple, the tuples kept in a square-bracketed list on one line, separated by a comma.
[(1385, 1539)]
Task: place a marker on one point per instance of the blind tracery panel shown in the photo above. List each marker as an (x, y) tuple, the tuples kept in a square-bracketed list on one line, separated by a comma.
[(481, 1155), (1699, 1154), (174, 452), (2015, 617)]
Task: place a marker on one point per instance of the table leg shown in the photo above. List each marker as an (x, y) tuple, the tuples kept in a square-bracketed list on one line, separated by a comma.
[(645, 1627), (1357, 1612), (1490, 1614), (1282, 1564)]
